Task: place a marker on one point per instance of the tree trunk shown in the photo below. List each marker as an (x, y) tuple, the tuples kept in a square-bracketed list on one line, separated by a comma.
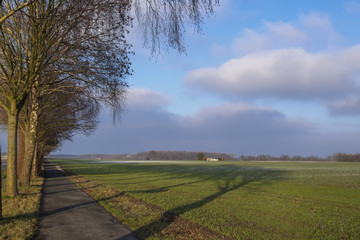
[(11, 178), (0, 187), (30, 140), (20, 151), (40, 160), (24, 179), (35, 167)]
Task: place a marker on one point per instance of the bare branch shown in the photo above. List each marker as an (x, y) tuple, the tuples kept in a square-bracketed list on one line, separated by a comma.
[(162, 23), (12, 12)]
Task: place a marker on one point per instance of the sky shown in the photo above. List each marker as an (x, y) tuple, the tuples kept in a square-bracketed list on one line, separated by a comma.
[(264, 77)]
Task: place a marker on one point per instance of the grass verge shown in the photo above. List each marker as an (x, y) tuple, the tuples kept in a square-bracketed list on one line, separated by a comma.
[(20, 214)]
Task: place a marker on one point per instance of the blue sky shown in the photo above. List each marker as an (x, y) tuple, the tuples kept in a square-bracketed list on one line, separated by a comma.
[(265, 77)]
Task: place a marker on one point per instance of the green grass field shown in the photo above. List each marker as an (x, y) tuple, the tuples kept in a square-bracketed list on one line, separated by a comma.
[(235, 200)]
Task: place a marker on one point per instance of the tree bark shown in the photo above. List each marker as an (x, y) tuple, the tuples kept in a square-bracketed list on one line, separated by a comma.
[(30, 141), (13, 115), (35, 167), (20, 150), (0, 187), (39, 159)]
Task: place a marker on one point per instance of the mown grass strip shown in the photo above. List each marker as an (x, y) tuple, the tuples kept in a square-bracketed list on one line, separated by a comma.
[(21, 214)]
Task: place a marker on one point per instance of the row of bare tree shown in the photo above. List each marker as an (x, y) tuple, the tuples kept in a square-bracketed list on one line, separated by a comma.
[(58, 61), (61, 60), (344, 157)]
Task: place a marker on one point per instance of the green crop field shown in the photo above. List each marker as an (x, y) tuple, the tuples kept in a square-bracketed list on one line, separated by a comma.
[(232, 200)]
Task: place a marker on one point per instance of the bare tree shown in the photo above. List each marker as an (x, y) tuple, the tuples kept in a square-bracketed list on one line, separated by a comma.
[(60, 116), (162, 23), (13, 83)]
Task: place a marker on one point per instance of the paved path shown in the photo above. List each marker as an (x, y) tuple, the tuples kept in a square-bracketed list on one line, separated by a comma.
[(69, 213)]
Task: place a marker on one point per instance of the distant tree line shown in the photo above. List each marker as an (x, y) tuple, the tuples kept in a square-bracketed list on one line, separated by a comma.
[(153, 155), (343, 157), (185, 155), (182, 155), (264, 157), (337, 157)]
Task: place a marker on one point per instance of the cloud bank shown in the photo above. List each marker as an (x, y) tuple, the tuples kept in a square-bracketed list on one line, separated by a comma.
[(230, 127), (347, 107)]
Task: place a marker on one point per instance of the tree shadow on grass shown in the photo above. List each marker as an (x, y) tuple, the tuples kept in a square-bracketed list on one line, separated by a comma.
[(8, 219), (225, 185), (148, 181), (167, 188)]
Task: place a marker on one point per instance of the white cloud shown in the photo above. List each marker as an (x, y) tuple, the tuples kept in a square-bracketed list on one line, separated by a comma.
[(286, 33), (250, 41), (309, 31), (319, 27), (285, 73), (352, 7), (275, 35), (146, 98)]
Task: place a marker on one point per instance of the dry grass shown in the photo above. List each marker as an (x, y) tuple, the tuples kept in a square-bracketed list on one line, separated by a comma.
[(20, 214)]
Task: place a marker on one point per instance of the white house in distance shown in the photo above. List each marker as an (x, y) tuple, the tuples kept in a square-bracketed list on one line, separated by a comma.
[(212, 159)]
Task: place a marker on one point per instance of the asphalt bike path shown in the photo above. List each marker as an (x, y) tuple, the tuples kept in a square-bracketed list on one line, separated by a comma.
[(68, 213)]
